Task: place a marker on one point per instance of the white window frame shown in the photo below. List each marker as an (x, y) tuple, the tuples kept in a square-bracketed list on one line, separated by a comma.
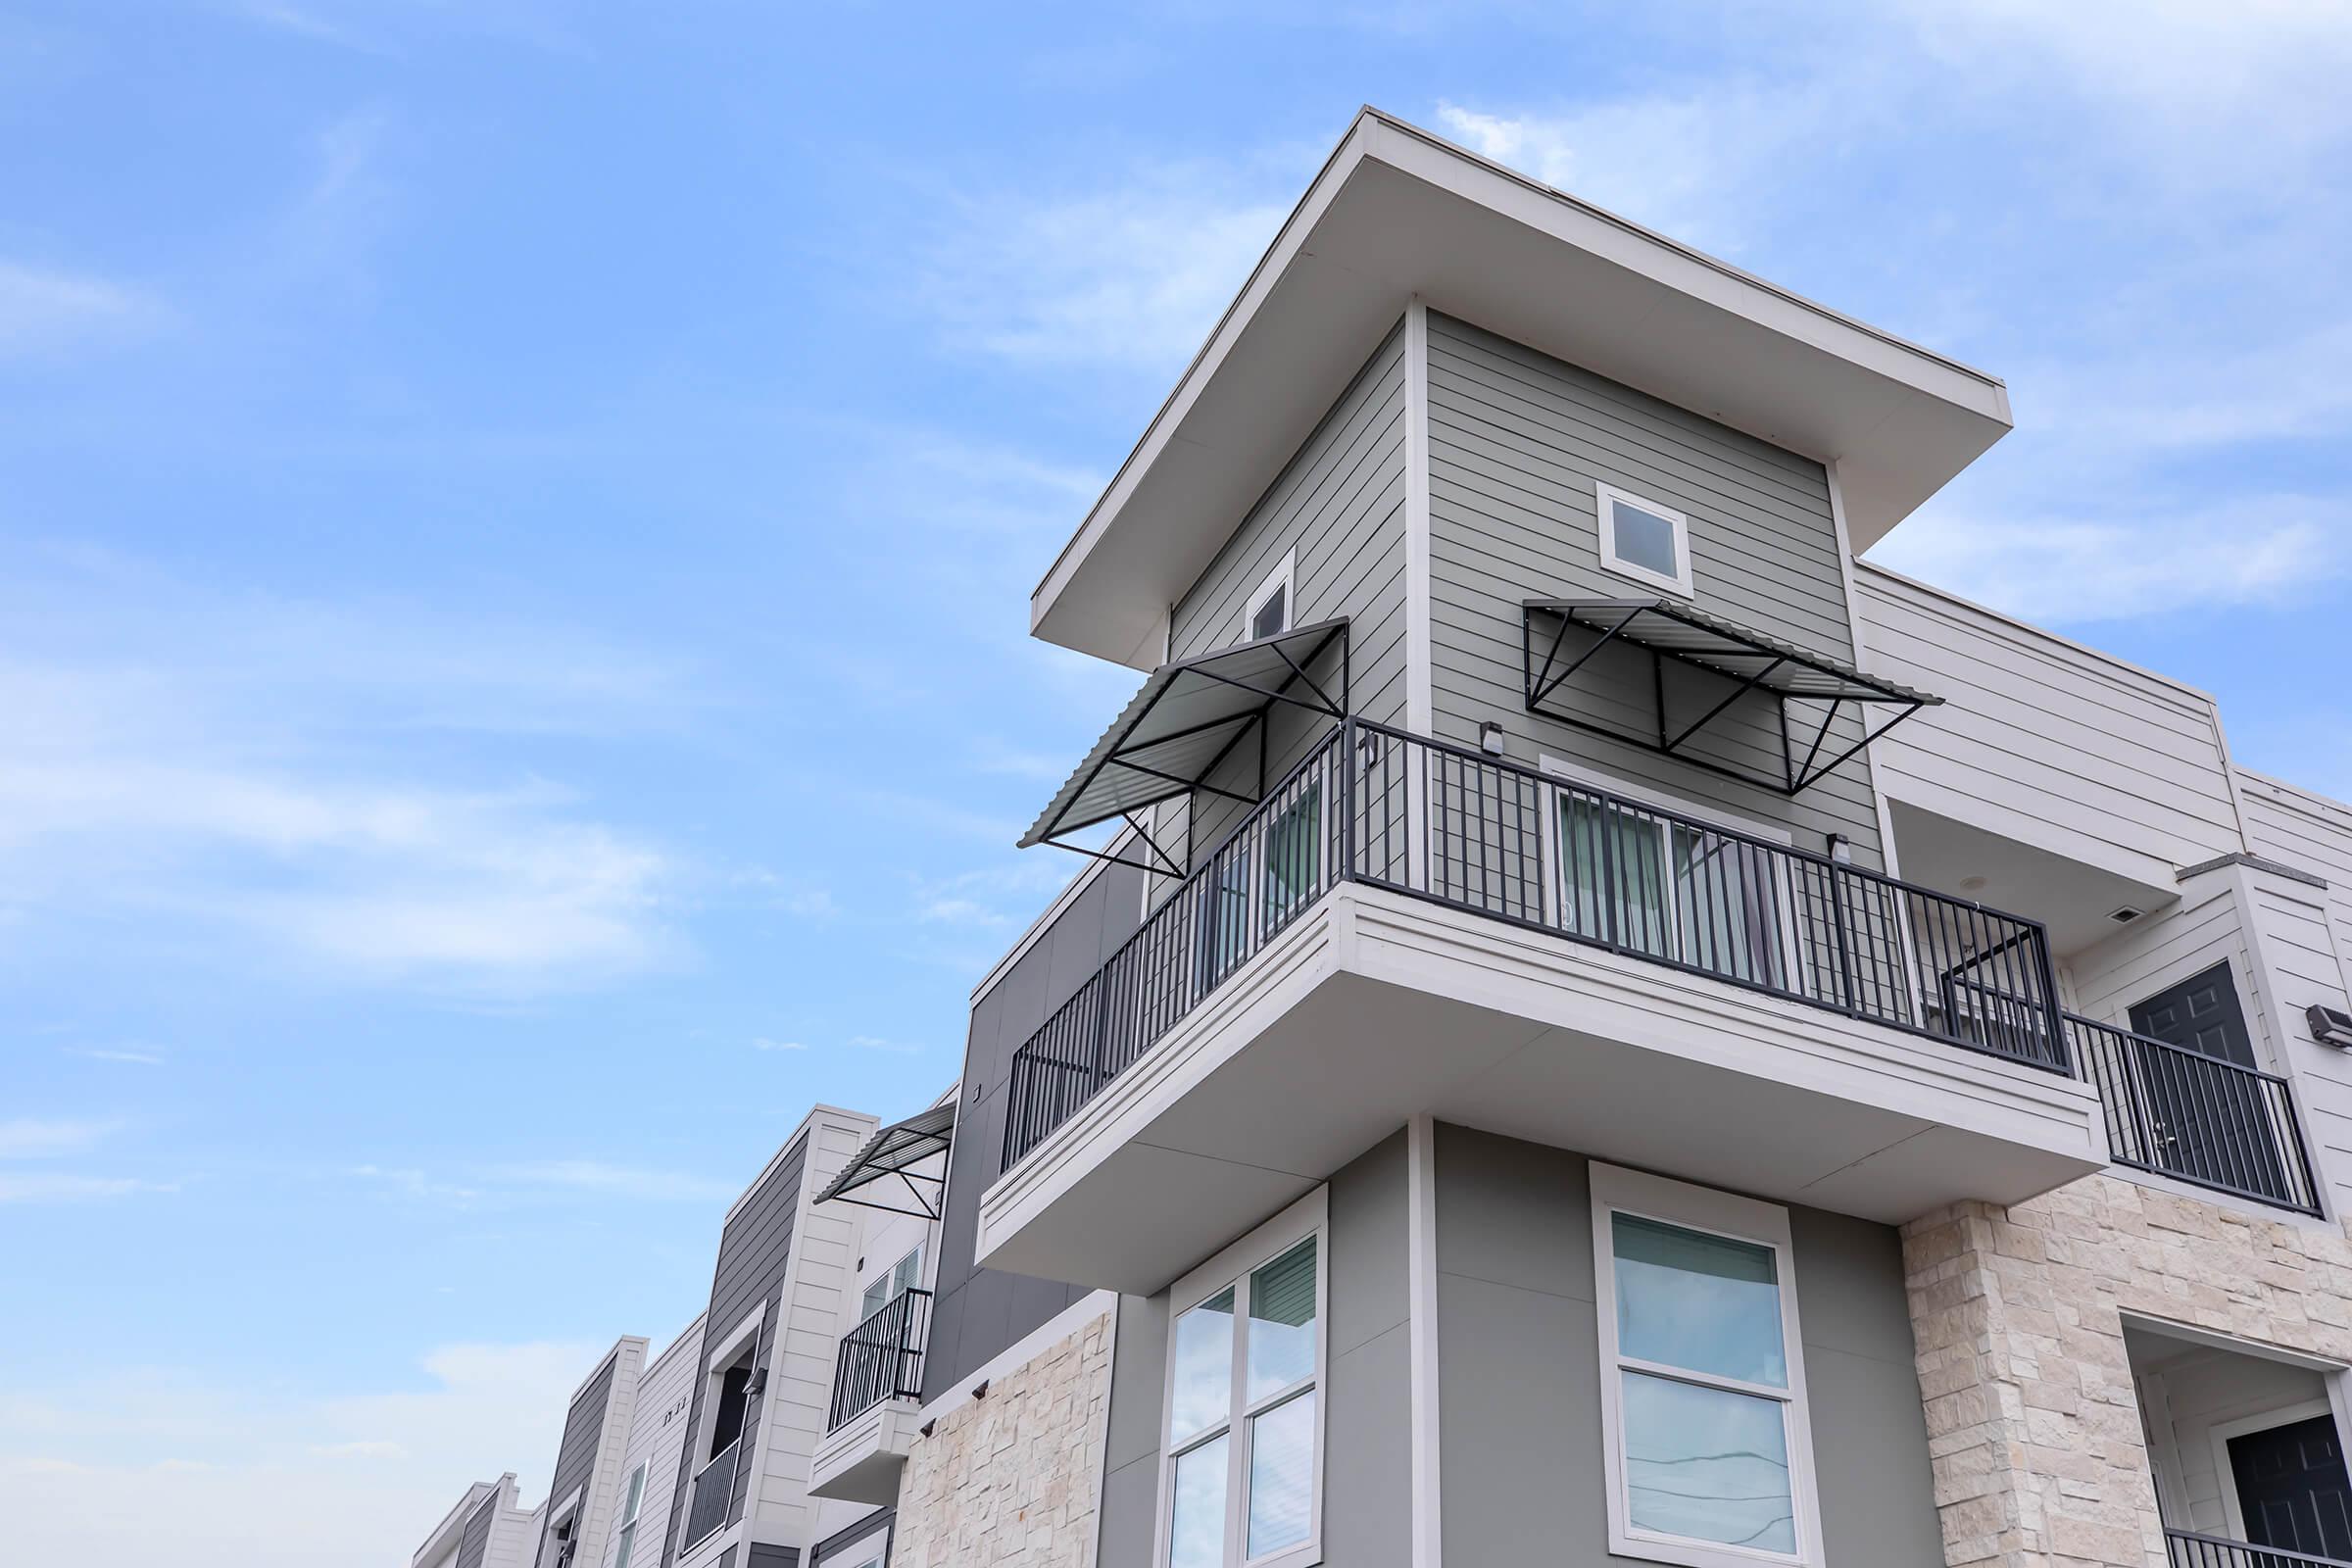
[(1283, 577), (1604, 498), (632, 1506), (1310, 1217), (1617, 1191), (889, 1276)]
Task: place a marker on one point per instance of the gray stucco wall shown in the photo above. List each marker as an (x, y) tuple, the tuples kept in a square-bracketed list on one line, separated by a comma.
[(1517, 441), (1367, 1465), (575, 1455), (754, 1250), (978, 1312), (1520, 1390), (1338, 506)]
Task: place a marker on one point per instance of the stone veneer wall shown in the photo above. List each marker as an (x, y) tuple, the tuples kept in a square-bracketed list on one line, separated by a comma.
[(2032, 1421), (1012, 1481)]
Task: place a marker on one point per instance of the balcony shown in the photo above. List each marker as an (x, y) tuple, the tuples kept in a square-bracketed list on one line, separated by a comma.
[(877, 1386), (2197, 1118), (713, 1490), (1404, 926)]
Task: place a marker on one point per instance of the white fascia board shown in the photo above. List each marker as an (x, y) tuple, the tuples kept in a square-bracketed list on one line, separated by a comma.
[(1396, 213)]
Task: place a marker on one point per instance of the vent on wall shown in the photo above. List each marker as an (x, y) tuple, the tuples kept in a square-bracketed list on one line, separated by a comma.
[(2125, 915)]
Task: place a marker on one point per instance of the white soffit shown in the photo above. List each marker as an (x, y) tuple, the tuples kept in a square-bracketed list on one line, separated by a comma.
[(1398, 212)]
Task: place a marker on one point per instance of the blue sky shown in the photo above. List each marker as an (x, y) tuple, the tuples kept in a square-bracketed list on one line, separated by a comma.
[(515, 523)]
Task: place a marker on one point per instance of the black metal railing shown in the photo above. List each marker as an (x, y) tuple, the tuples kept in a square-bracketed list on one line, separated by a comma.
[(1442, 822), (2188, 1550), (713, 1490), (2197, 1118), (882, 1357)]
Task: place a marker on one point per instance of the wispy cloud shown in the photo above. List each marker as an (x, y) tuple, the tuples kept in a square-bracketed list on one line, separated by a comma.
[(2264, 552), (53, 1187), (29, 1138), (618, 1181), (1130, 273), (142, 1058), (44, 310), (765, 1043), (259, 784)]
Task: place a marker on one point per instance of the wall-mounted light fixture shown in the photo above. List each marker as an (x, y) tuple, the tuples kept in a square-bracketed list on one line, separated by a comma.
[(1842, 849), (1490, 738)]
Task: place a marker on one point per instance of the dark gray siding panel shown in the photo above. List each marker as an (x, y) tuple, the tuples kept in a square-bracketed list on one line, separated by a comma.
[(1517, 441), (475, 1540), (854, 1543), (753, 1251), (1367, 1465), (1338, 506), (583, 1430), (1367, 1461), (979, 1312), (763, 1555), (1518, 1340)]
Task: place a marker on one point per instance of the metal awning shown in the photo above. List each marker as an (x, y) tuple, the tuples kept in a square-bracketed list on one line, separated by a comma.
[(894, 1152), (1748, 661), (1182, 725)]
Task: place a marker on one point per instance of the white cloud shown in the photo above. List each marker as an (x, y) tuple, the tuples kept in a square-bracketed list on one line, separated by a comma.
[(345, 1481), (143, 1058), (44, 310), (49, 1187), (251, 779), (1132, 274), (2062, 571), (29, 1138), (764, 1043)]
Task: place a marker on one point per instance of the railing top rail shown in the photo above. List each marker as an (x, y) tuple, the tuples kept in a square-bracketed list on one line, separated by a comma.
[(1701, 824), (2155, 1044), (1208, 862), (2250, 1549), (894, 1304)]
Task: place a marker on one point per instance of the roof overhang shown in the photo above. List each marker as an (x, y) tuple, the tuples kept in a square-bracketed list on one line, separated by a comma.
[(1398, 214)]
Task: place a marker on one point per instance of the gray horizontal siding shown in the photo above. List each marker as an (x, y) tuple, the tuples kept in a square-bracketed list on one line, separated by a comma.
[(978, 1312), (583, 1431), (754, 1250), (475, 1543), (1340, 505), (1517, 443)]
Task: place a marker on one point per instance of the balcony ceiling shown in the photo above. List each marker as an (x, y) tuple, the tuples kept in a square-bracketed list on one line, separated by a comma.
[(1398, 212)]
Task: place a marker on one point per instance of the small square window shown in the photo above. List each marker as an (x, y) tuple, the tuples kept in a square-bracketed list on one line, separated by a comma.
[(1644, 540), (1269, 611)]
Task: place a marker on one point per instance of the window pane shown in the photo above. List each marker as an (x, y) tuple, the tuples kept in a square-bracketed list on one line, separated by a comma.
[(1203, 1367), (875, 1295), (1614, 874), (1282, 1475), (1723, 905), (1294, 853), (1645, 539), (628, 1543), (628, 1511), (1197, 1524), (1282, 1321), (1705, 1303), (908, 1274), (1269, 618), (1707, 1464)]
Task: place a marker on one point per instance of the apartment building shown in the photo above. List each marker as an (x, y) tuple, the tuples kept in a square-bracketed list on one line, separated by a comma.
[(704, 1454), (1611, 1029)]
